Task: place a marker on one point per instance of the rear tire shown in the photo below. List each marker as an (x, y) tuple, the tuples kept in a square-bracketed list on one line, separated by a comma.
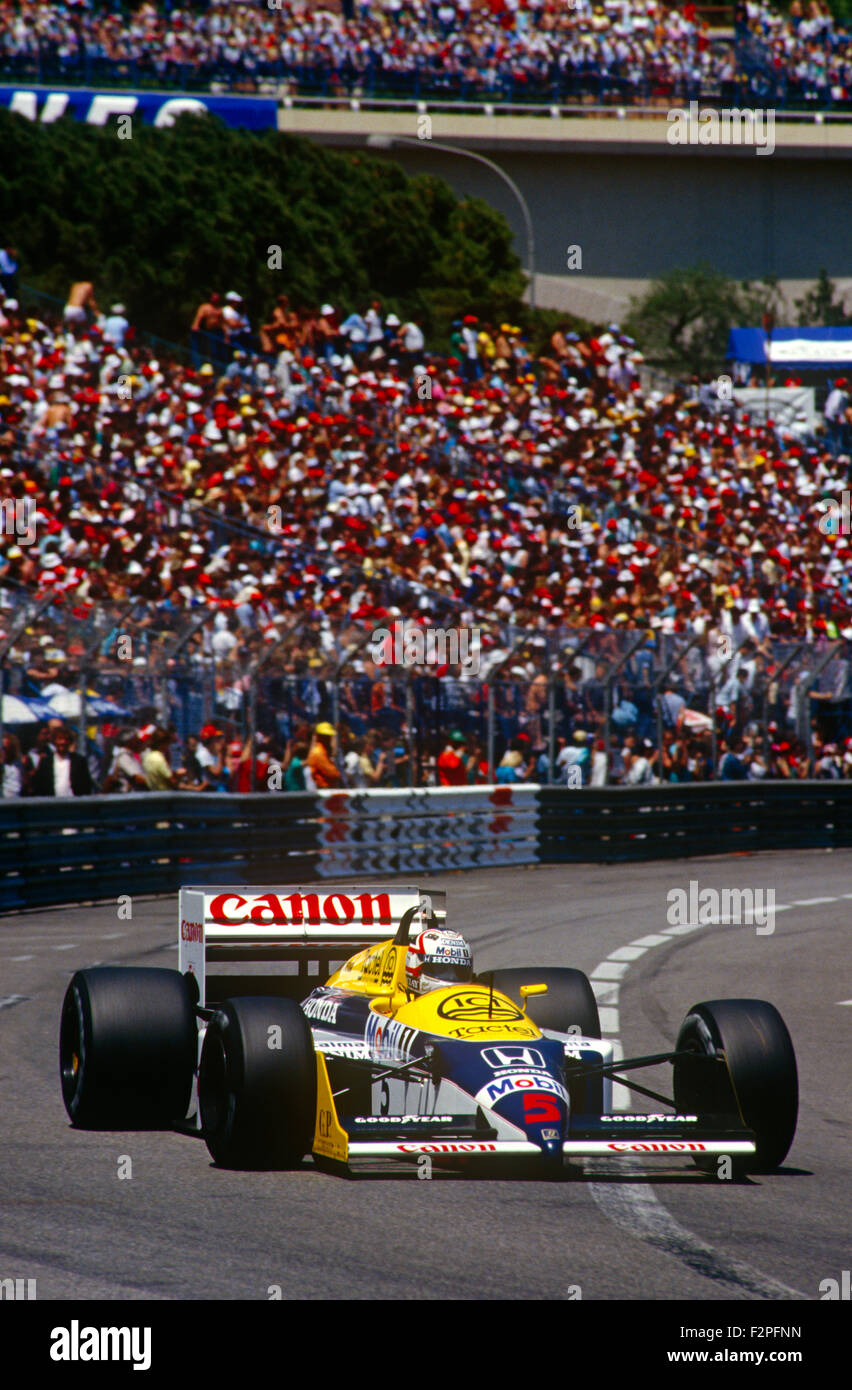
[(258, 1100), (127, 1048), (569, 1006), (762, 1066)]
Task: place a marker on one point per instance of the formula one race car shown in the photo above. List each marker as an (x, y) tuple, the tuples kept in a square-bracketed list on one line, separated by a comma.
[(377, 1063)]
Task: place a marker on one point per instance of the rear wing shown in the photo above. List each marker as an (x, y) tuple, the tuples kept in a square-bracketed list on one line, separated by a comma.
[(318, 929)]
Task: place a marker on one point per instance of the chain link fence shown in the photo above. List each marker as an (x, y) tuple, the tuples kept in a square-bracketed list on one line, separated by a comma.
[(577, 706)]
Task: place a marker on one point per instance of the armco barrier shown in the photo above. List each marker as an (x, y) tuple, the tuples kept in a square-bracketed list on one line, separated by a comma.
[(93, 848), (668, 822), (426, 828)]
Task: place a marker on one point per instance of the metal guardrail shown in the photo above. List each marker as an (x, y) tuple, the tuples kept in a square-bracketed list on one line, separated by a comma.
[(96, 848), (547, 108), (672, 822)]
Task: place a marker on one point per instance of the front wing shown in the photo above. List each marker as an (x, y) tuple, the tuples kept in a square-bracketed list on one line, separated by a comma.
[(462, 1136)]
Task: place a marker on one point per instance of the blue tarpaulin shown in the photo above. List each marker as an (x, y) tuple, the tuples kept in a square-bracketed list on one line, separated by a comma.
[(803, 348)]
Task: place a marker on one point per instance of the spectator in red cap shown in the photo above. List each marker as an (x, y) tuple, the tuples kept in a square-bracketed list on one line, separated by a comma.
[(470, 347)]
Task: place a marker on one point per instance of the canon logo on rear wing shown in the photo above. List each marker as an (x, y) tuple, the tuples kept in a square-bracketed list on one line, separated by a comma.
[(298, 909)]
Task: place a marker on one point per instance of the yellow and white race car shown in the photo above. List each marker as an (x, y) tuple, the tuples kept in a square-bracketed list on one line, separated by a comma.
[(340, 1048)]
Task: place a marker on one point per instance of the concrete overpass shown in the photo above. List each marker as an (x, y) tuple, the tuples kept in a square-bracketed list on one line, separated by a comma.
[(635, 205)]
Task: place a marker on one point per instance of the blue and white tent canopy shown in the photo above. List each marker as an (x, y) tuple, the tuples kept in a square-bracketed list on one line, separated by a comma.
[(801, 348)]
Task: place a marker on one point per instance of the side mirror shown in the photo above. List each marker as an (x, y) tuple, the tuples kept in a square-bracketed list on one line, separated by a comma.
[(382, 1000), (529, 991)]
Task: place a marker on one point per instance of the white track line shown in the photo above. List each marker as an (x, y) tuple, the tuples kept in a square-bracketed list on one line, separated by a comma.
[(634, 1206), (8, 1001)]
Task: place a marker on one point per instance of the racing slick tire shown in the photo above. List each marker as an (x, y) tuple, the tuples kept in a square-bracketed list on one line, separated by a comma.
[(257, 1084), (128, 1043), (762, 1066), (569, 1006)]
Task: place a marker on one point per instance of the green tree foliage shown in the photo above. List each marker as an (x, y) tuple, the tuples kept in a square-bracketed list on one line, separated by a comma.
[(161, 219), (683, 321), (818, 307)]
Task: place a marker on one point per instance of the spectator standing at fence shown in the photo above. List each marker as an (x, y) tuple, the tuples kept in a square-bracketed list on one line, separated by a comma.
[(205, 334), (671, 704), (470, 347), (732, 767), (155, 764), (126, 773), (637, 767), (375, 327), (452, 769), (361, 770), (13, 771), (32, 759), (237, 326), (410, 337), (62, 772), (326, 331), (82, 307), (115, 326), (320, 761), (354, 330), (210, 757), (241, 780), (196, 771), (834, 410), (396, 760), (294, 770), (576, 754), (281, 333), (511, 768), (599, 768)]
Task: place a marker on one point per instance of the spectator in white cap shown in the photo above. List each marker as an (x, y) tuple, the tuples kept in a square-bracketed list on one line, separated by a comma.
[(237, 326), (354, 329), (375, 328), (328, 336), (410, 338), (115, 326)]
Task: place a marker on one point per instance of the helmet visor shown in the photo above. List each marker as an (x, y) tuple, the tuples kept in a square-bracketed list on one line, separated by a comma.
[(448, 972)]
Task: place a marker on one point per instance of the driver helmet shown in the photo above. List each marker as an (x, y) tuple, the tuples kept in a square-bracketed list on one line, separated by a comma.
[(437, 957)]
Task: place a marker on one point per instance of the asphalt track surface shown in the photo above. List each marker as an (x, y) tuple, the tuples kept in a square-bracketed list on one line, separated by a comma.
[(182, 1229)]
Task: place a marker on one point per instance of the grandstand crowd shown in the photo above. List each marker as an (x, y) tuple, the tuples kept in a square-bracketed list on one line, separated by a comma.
[(629, 50), (325, 476)]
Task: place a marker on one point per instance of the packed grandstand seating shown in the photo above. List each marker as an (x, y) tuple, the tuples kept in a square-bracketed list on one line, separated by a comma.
[(619, 51), (304, 487)]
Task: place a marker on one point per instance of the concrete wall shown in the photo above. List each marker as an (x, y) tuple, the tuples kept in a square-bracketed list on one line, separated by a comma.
[(634, 204)]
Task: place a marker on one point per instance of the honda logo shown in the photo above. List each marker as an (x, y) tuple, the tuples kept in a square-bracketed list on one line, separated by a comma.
[(498, 1057)]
